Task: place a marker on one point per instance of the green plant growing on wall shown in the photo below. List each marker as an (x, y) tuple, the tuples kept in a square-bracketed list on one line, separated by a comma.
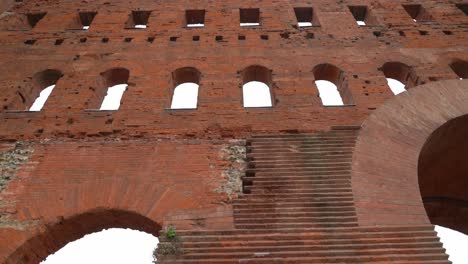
[(173, 245)]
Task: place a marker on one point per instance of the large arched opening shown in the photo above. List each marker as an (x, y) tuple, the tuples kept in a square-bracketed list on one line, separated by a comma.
[(53, 237), (443, 175)]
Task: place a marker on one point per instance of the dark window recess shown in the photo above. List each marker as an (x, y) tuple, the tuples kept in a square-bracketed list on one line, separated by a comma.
[(362, 15), (58, 42), (30, 42), (34, 18), (219, 38), (241, 37), (417, 13), (86, 18), (105, 40), (264, 37), (463, 7), (83, 40), (448, 32), (173, 39), (138, 20), (150, 39), (377, 33), (423, 33), (284, 35), (460, 67), (305, 16), (196, 38), (249, 16), (195, 18), (128, 39), (402, 33)]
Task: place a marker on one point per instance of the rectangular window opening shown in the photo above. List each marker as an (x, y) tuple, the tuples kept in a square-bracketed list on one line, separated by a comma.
[(34, 18), (86, 18), (58, 42), (195, 18), (360, 14), (304, 16), (249, 17), (417, 13), (138, 19), (463, 8)]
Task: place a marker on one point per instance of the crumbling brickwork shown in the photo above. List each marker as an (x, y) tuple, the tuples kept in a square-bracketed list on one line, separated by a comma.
[(147, 166)]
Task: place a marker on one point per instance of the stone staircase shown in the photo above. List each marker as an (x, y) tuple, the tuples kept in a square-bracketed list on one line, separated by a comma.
[(297, 207)]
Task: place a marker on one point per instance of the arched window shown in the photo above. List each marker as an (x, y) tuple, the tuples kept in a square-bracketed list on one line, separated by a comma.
[(399, 76), (113, 84), (332, 85), (186, 82), (256, 81), (33, 95), (460, 67)]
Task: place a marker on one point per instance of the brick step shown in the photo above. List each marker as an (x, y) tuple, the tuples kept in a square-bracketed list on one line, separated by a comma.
[(299, 196), (249, 248), (299, 164), (323, 137), (291, 212), (286, 179), (298, 186), (369, 231), (296, 191), (387, 259), (301, 142), (278, 225), (309, 169), (308, 242), (286, 173), (299, 148), (298, 218), (292, 181), (324, 253), (314, 208), (319, 134), (319, 234), (319, 202), (300, 156)]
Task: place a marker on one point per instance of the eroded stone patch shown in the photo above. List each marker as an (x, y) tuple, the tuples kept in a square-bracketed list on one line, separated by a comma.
[(11, 159), (235, 155)]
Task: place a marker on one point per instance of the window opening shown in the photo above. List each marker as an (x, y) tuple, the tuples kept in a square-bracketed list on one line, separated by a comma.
[(460, 67), (113, 97), (256, 87), (195, 18), (463, 8), (417, 13), (359, 13), (249, 17), (329, 93), (332, 85), (186, 81), (138, 20), (399, 76), (305, 16), (40, 101), (86, 18), (33, 19)]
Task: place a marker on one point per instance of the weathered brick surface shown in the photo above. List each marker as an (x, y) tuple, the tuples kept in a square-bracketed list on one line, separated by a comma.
[(146, 166)]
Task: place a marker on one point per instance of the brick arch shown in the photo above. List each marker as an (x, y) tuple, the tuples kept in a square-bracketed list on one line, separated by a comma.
[(54, 236), (334, 74), (385, 160), (401, 72)]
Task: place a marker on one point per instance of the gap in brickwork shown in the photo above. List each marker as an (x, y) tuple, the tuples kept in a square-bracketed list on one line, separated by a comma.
[(305, 17), (186, 82), (34, 18), (400, 72), (195, 18), (86, 19), (249, 17), (417, 12), (138, 20), (256, 82), (337, 94), (114, 245)]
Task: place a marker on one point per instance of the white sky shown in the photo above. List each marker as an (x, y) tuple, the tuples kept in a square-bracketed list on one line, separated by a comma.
[(123, 246), (185, 96)]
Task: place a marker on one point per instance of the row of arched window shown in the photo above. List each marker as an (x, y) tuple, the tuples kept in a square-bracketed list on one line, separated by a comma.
[(257, 82)]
